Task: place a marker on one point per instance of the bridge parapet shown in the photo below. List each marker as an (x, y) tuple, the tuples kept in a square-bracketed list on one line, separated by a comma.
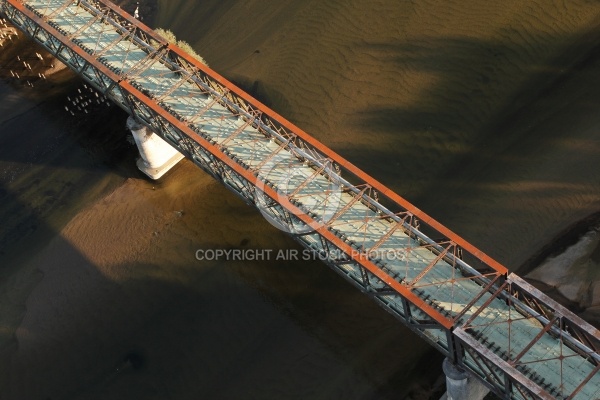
[(517, 341)]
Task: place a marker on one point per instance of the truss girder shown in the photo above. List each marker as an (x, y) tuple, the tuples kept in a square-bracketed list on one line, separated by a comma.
[(498, 305), (550, 364)]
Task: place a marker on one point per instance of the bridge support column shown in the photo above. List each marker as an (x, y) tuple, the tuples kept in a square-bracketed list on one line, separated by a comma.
[(157, 156), (460, 385)]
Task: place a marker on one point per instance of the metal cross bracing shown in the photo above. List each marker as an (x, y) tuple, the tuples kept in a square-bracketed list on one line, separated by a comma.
[(516, 340)]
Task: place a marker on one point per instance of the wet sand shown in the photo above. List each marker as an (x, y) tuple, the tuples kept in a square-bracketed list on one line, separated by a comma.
[(483, 115), (131, 285), (51, 167)]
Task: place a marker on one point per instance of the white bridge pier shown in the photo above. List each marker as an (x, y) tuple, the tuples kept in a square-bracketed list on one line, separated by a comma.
[(156, 156)]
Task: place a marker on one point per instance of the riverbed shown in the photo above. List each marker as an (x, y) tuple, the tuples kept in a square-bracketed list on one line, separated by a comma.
[(483, 115)]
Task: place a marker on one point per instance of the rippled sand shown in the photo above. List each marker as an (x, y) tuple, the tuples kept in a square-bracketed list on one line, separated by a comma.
[(482, 113)]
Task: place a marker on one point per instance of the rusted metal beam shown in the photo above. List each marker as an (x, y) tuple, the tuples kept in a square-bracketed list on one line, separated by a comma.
[(584, 382), (205, 109), (63, 39), (308, 180), (287, 204), (141, 65), (479, 295), (557, 307), (509, 370), (397, 225), (91, 22), (484, 305), (382, 189), (238, 131), (428, 268), (59, 9), (541, 333), (274, 153), (357, 196)]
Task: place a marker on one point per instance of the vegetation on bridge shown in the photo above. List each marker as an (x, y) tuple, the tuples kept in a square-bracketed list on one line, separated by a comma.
[(170, 37)]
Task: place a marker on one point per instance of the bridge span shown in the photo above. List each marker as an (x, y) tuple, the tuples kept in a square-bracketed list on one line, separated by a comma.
[(514, 339)]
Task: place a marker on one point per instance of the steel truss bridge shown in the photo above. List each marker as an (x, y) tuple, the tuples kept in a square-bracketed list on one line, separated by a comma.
[(517, 341)]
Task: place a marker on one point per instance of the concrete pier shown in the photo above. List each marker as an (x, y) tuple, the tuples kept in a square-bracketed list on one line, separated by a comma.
[(460, 385), (156, 156)]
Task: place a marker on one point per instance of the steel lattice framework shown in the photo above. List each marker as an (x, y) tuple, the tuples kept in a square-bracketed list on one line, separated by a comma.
[(516, 340)]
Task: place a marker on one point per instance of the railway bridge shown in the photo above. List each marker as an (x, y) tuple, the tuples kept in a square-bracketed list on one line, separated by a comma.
[(497, 332)]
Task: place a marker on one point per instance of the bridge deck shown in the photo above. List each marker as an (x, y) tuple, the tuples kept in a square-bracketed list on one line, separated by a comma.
[(501, 329)]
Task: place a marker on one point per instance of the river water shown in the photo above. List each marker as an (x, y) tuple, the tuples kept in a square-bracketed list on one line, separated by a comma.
[(484, 115)]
